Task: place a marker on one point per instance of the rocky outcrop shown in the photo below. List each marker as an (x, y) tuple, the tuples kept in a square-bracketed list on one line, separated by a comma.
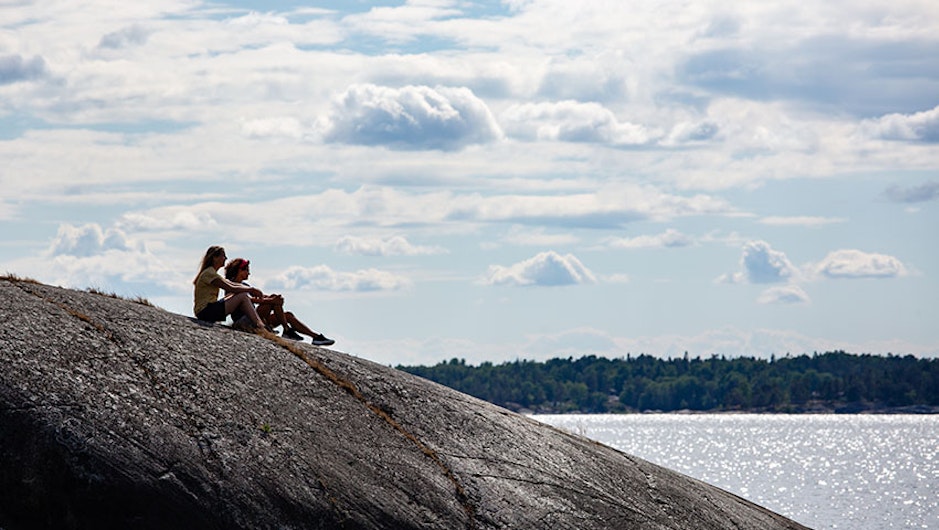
[(115, 414)]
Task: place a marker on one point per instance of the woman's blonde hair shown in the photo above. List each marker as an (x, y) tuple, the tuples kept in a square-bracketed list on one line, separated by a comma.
[(210, 255)]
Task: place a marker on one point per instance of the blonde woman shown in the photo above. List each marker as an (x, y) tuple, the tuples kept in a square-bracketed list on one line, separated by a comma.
[(206, 304)]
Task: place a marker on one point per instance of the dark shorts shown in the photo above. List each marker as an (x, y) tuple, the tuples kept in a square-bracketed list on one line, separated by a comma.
[(214, 312)]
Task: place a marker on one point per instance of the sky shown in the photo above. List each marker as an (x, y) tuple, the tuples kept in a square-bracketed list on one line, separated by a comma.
[(491, 181)]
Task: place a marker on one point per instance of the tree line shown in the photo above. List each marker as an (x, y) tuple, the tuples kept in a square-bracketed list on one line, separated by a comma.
[(833, 381)]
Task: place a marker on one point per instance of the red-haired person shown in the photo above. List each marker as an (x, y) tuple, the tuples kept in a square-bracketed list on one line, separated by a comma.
[(206, 303), (271, 307)]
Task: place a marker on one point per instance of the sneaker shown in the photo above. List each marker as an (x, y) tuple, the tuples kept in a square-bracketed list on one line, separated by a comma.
[(319, 340), (291, 334)]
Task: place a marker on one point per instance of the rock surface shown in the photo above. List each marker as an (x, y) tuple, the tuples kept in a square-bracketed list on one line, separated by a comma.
[(115, 414)]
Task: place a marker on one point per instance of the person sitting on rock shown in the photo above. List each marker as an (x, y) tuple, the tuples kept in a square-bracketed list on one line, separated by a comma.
[(206, 304), (271, 307)]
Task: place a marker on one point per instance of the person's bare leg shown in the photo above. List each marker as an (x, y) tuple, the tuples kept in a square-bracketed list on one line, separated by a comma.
[(279, 316), (266, 312), (243, 301), (273, 313), (318, 338), (298, 326)]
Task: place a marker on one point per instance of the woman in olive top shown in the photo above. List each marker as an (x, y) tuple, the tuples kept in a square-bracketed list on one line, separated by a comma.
[(207, 305)]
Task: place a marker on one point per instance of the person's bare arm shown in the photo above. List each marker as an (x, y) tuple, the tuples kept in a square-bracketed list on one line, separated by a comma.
[(232, 287)]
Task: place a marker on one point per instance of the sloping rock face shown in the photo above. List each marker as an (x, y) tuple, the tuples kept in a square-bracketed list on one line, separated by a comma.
[(114, 414)]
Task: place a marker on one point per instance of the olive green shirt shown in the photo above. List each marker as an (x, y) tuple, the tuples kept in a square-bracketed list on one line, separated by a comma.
[(205, 292)]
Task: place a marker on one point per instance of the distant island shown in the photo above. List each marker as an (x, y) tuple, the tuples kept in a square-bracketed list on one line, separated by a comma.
[(832, 382)]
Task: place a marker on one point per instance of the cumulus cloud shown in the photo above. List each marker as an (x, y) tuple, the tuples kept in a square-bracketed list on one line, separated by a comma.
[(572, 121), (671, 238), (411, 117), (392, 246), (323, 278), (14, 68), (786, 294), (919, 127), (547, 269), (858, 264), (129, 272), (91, 256), (761, 264), (87, 240), (921, 193)]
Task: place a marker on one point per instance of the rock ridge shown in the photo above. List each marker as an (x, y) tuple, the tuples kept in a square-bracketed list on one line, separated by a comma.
[(117, 414)]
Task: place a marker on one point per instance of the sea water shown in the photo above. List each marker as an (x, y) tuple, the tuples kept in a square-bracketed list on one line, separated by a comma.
[(859, 472)]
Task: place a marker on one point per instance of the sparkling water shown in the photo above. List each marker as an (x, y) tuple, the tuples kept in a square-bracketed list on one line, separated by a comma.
[(859, 472)]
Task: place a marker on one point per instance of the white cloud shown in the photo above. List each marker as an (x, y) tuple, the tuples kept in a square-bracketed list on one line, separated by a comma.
[(571, 121), (761, 264), (90, 256), (920, 126), (671, 238), (858, 264), (392, 246), (546, 269), (786, 294), (87, 240), (323, 278), (411, 117), (126, 272)]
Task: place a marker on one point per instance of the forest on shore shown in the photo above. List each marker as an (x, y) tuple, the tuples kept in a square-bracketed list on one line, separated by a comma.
[(828, 382)]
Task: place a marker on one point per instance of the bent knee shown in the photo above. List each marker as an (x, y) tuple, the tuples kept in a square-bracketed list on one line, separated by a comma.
[(241, 297)]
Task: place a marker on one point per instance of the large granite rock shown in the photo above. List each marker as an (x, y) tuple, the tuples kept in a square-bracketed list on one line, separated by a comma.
[(114, 414)]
